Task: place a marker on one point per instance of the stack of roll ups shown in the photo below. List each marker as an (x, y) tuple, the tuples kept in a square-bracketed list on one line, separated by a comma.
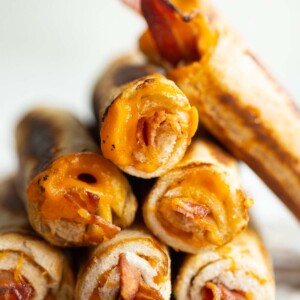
[(71, 191)]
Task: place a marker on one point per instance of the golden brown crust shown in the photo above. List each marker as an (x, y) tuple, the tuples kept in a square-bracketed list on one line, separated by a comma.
[(45, 134), (249, 131), (199, 204), (147, 123), (242, 267), (27, 257), (73, 195), (102, 274), (123, 70), (241, 103)]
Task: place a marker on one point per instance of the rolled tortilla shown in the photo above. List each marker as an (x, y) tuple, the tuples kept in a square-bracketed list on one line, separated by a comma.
[(132, 265), (199, 204), (146, 121), (240, 270), (236, 97), (74, 196), (30, 269)]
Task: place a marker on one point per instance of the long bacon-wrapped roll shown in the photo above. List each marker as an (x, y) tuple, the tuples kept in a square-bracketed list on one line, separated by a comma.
[(199, 204), (131, 266), (236, 97), (30, 269), (146, 123), (241, 270), (73, 195)]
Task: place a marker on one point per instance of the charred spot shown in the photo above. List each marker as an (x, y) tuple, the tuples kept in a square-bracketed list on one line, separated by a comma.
[(113, 147), (172, 8), (149, 80), (144, 83), (226, 98), (41, 188), (129, 73), (103, 141), (139, 86), (87, 178), (45, 178), (106, 112), (145, 133), (41, 139), (250, 114)]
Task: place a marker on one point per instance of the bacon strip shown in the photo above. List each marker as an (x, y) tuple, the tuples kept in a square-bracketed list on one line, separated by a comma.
[(190, 210), (10, 289), (129, 278), (88, 217), (132, 285), (212, 290), (145, 292), (172, 31)]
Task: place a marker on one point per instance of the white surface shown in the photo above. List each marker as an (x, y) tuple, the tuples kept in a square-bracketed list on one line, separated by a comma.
[(52, 51)]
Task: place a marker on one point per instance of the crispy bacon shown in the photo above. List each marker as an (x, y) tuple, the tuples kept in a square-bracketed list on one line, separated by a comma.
[(10, 289), (90, 217), (129, 278), (147, 128), (132, 285), (172, 31), (212, 289), (191, 210), (145, 292)]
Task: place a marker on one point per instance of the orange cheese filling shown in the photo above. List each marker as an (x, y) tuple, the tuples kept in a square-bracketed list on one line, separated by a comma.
[(12, 288), (146, 123), (200, 208), (83, 188)]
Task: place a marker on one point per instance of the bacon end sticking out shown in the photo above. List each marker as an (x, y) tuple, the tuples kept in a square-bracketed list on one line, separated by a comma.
[(219, 291), (173, 32), (132, 285)]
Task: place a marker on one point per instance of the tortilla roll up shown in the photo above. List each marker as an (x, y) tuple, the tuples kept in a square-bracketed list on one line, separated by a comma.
[(199, 204), (146, 121), (240, 270), (132, 265), (30, 269), (236, 97), (74, 196)]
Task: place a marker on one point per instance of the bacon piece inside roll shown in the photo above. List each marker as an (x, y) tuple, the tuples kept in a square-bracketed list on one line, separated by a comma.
[(74, 196), (29, 267), (147, 123), (131, 266), (199, 204), (240, 270), (236, 97)]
